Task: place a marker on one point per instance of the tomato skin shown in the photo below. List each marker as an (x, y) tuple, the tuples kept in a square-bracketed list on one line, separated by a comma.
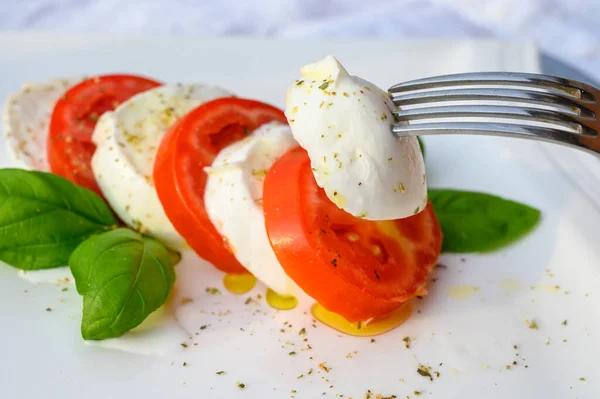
[(193, 229), (70, 146), (190, 145), (336, 273)]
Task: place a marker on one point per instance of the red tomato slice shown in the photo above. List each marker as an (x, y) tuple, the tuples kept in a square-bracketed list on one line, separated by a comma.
[(358, 268), (191, 144), (70, 146)]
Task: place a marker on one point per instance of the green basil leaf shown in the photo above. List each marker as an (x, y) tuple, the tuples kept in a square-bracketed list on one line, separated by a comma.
[(123, 277), (478, 222), (421, 145), (43, 217)]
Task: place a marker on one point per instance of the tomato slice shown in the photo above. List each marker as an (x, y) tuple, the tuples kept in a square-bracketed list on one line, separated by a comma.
[(70, 146), (191, 144), (358, 268)]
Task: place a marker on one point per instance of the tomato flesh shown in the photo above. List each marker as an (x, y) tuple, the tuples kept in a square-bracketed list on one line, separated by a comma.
[(70, 146), (358, 268), (192, 144)]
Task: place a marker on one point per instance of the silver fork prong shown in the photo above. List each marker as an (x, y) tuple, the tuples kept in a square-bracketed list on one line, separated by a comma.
[(569, 120), (536, 107), (568, 87), (493, 94), (495, 129)]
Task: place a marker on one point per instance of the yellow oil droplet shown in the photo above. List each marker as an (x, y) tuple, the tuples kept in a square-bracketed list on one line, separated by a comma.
[(553, 289), (174, 256), (462, 291), (281, 302), (338, 199), (511, 285), (359, 329), (389, 227), (239, 284)]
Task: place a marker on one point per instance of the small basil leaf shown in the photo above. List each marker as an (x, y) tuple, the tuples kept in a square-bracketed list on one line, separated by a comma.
[(123, 277), (421, 145), (477, 222), (43, 217)]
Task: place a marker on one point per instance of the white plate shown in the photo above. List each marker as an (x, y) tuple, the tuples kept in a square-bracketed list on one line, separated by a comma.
[(469, 341)]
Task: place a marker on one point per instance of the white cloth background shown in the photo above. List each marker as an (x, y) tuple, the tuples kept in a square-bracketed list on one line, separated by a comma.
[(567, 29)]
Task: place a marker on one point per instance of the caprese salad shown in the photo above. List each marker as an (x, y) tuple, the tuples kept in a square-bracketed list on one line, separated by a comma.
[(115, 173)]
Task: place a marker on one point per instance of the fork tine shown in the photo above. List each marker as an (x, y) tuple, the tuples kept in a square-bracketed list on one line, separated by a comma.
[(568, 120), (566, 86), (556, 110), (493, 94), (494, 129)]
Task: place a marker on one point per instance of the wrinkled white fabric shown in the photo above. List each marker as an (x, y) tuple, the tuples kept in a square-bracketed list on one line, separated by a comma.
[(566, 29)]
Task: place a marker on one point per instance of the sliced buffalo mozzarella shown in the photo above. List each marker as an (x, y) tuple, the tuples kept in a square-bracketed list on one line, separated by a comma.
[(127, 140), (25, 121), (344, 123), (233, 201)]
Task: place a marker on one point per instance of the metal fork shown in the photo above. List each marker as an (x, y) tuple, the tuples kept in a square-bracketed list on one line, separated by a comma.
[(530, 106)]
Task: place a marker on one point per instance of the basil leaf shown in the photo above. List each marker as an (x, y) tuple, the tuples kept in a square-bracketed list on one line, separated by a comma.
[(43, 217), (421, 145), (123, 277), (478, 222)]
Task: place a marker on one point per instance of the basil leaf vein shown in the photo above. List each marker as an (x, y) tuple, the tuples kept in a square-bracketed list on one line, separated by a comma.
[(478, 222), (123, 277), (43, 217)]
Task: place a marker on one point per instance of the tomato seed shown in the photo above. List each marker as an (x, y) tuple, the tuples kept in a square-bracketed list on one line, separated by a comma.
[(376, 250), (353, 237)]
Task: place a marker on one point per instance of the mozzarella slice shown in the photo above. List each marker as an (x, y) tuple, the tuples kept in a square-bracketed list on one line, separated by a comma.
[(233, 201), (344, 123), (127, 139), (25, 121)]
